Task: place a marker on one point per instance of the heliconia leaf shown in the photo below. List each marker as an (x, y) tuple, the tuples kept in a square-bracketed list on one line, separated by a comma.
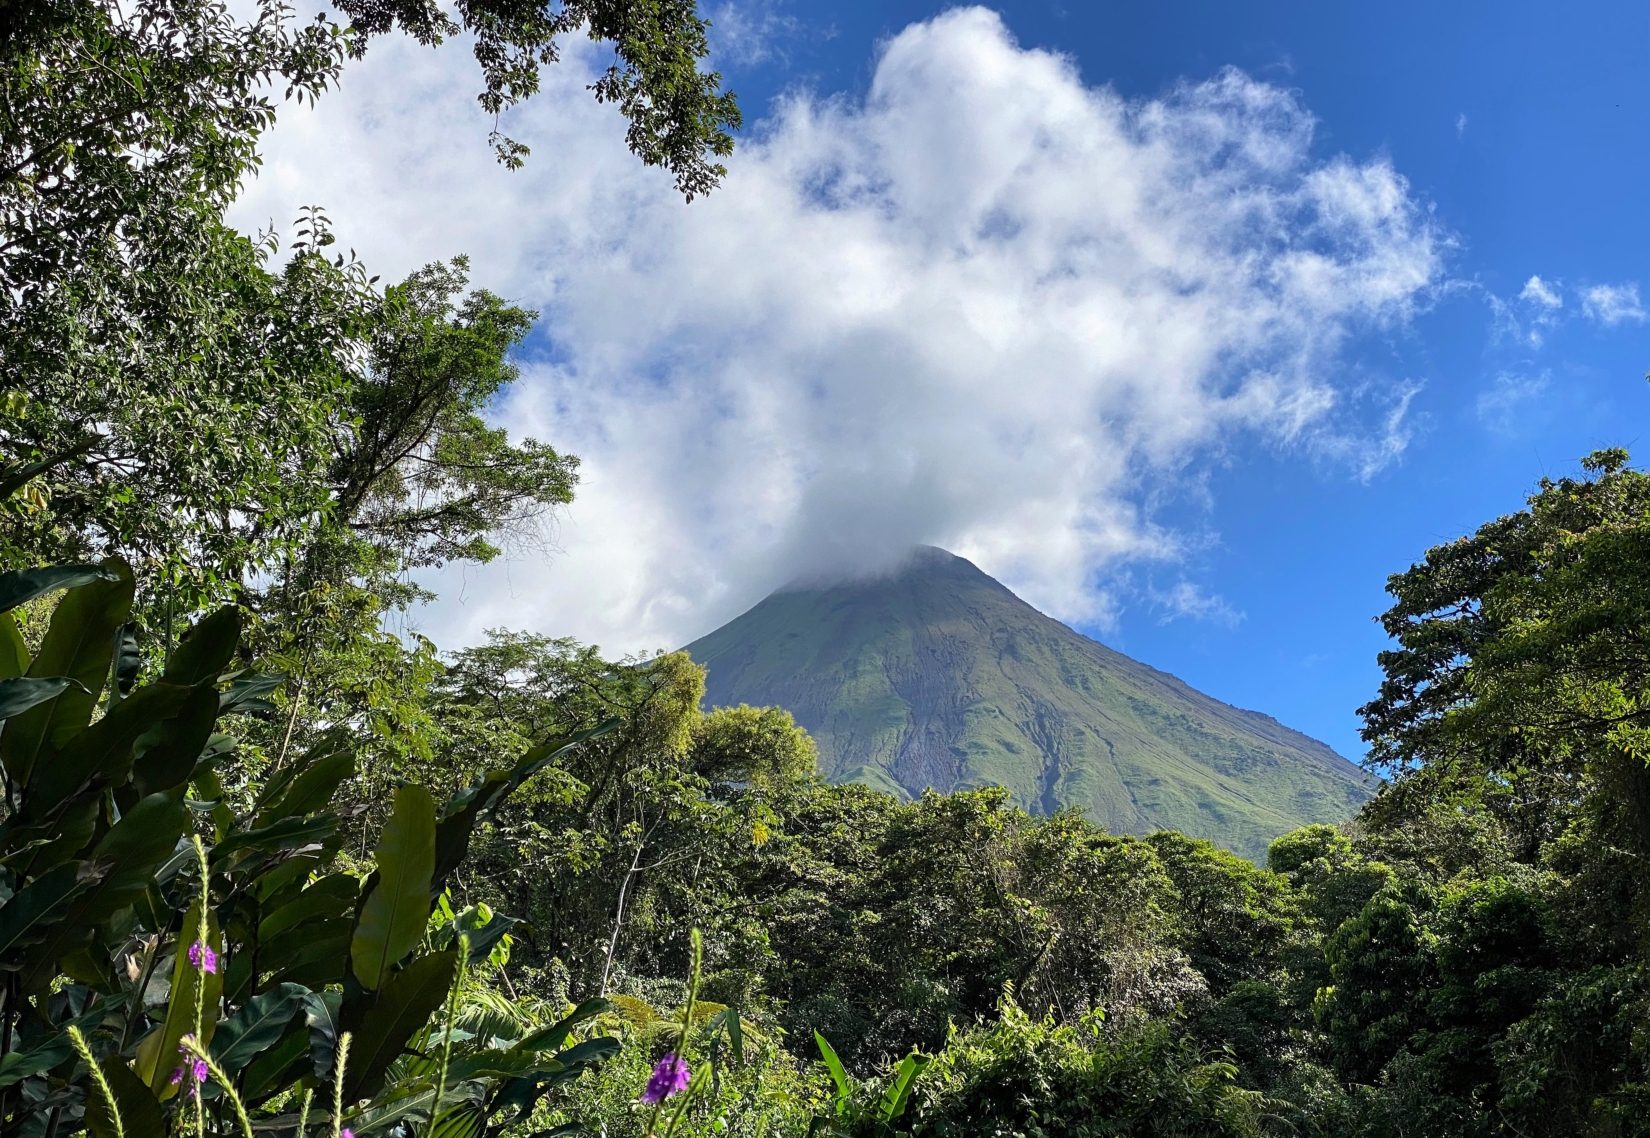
[(899, 1091), (45, 901), (258, 1025), (157, 1055), (279, 1067), (395, 912), (553, 1036), (249, 692), (321, 1014), (382, 1025), (17, 696), (206, 649), (127, 857), (327, 898), (79, 643), (844, 1085), (464, 1121), (103, 751), (128, 658), (23, 585), (312, 789), (140, 1112), (168, 753), (467, 809), (14, 654)]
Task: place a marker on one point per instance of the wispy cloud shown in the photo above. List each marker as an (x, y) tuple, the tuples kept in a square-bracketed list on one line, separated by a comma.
[(1613, 304), (987, 306), (1186, 600), (1513, 402), (1540, 293), (1461, 124)]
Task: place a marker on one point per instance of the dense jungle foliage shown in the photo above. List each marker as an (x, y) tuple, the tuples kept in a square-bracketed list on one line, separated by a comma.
[(271, 868)]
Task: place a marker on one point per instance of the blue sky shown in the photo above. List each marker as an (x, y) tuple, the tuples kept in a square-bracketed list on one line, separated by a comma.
[(1524, 126), (1192, 357)]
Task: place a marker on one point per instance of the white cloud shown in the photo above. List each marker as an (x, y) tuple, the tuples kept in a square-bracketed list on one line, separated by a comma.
[(1541, 293), (1613, 304), (1513, 402), (1461, 124), (1191, 601), (984, 306)]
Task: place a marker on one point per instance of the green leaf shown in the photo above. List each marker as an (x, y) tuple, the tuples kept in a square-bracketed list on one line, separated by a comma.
[(79, 644), (206, 649), (140, 1112), (381, 1027), (17, 696), (395, 912), (23, 585), (258, 1025), (45, 901), (249, 692), (157, 1054), (312, 789), (102, 753), (128, 658), (546, 1038), (279, 1067), (168, 753), (289, 833), (894, 1099), (466, 809), (321, 1014), (327, 898), (464, 1121), (14, 655), (844, 1085)]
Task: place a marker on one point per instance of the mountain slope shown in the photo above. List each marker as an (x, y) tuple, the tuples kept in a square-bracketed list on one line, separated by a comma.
[(938, 676)]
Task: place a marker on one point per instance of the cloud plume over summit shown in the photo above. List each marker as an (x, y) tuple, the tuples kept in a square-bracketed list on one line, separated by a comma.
[(983, 305)]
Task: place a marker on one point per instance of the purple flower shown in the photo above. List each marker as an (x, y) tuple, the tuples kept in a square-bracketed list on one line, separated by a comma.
[(670, 1077), (346, 1132), (197, 1072), (202, 957)]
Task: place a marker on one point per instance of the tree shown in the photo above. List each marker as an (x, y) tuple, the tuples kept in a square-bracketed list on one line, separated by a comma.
[(680, 117), (1523, 661)]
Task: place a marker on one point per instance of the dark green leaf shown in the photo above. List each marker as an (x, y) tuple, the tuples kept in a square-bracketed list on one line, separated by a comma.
[(23, 585), (45, 901), (78, 644), (168, 753), (206, 649), (128, 658), (258, 1025), (548, 1038), (395, 912), (321, 1014), (140, 1113), (382, 1025), (17, 696), (312, 789), (101, 754), (466, 810)]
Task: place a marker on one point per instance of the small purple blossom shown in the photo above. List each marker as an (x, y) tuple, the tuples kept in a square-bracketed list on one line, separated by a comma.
[(346, 1132), (670, 1077), (196, 1070), (202, 957)]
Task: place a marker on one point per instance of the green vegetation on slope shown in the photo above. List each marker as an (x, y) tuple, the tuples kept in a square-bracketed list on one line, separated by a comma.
[(938, 676)]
